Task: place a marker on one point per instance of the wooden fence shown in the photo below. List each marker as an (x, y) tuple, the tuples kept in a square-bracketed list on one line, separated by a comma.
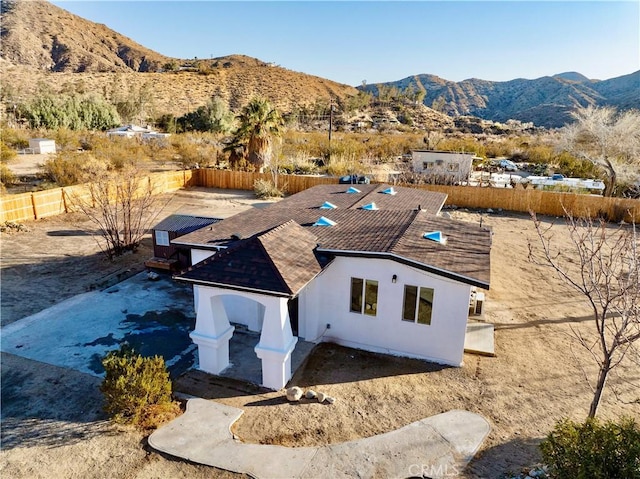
[(41, 204), (240, 180), (542, 202)]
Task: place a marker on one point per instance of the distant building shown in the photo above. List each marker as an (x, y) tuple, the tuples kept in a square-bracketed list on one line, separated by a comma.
[(42, 146), (133, 131), (446, 166)]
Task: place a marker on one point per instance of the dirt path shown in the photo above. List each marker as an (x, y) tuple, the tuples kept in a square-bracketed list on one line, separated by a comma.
[(51, 420)]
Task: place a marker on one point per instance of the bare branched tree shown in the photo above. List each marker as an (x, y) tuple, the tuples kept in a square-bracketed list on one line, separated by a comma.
[(607, 138), (123, 206), (603, 267)]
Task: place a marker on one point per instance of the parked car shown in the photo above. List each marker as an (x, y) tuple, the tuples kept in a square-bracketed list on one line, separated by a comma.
[(508, 165), (557, 177), (354, 179)]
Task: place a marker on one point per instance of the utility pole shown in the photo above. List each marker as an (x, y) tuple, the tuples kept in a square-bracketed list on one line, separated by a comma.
[(330, 124)]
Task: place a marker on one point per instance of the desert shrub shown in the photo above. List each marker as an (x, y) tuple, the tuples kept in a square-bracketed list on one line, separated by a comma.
[(265, 189), (71, 168), (193, 149), (6, 175), (66, 139), (592, 449), (16, 139), (137, 390), (6, 153)]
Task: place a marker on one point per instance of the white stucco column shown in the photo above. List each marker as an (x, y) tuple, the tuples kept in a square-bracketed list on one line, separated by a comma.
[(276, 344), (212, 333)]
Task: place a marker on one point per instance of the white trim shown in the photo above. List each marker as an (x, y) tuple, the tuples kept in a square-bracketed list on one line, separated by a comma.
[(432, 269), (233, 287)]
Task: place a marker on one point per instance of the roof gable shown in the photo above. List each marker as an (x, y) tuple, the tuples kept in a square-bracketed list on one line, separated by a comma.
[(279, 262)]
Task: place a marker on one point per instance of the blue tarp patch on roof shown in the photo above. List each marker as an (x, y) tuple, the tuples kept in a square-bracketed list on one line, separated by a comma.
[(353, 190), (389, 191), (370, 207), (323, 221), (328, 206), (436, 236)]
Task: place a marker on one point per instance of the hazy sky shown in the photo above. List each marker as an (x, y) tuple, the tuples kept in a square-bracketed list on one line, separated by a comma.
[(389, 40)]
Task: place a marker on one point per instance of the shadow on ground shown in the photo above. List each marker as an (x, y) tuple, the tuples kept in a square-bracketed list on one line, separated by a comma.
[(513, 457), (45, 405)]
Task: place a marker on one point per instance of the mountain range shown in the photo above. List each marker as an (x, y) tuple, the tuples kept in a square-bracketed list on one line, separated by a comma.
[(546, 101), (42, 44)]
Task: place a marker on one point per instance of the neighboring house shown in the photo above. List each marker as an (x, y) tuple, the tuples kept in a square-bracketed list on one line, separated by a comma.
[(133, 131), (42, 146), (166, 255), (443, 166), (366, 266)]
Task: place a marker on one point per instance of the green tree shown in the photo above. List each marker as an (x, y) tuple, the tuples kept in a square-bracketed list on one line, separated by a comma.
[(73, 112), (260, 124), (213, 117), (438, 104)]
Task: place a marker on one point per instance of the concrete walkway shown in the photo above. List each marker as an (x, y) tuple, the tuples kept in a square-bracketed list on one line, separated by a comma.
[(435, 447)]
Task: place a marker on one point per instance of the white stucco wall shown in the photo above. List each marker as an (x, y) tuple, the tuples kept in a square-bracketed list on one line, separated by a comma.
[(327, 300), (240, 309)]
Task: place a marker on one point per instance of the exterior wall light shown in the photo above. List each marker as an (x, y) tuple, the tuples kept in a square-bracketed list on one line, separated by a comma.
[(394, 278)]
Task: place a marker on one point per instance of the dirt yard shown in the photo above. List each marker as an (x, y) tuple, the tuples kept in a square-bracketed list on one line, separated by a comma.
[(52, 425)]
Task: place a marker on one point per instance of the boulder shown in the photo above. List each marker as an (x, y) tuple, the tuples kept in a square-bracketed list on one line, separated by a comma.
[(330, 399), (294, 394), (321, 397), (311, 394)]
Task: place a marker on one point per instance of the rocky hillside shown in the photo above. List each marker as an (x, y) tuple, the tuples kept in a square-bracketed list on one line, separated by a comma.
[(41, 35), (546, 101), (45, 46)]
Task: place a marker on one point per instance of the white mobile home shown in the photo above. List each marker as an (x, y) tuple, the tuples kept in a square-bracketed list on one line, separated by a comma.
[(443, 166)]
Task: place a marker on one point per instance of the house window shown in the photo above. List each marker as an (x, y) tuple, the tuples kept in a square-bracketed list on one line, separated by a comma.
[(453, 166), (417, 304), (162, 238), (364, 296), (427, 165)]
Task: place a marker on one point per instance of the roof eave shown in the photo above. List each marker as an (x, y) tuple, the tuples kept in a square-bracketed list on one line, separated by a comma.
[(409, 262), (201, 282)]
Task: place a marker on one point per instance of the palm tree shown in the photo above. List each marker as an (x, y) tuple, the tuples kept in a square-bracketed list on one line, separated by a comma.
[(259, 123)]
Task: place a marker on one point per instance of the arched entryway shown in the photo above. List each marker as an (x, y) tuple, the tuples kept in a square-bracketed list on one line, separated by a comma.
[(268, 314)]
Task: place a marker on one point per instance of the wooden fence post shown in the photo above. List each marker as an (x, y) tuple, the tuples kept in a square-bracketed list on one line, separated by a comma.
[(35, 209)]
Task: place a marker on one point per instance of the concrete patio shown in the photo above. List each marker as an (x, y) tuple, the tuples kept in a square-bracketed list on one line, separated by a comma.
[(479, 338)]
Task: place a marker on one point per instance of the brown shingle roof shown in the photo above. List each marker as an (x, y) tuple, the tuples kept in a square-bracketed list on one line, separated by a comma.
[(466, 253), (394, 231), (405, 199), (280, 261)]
